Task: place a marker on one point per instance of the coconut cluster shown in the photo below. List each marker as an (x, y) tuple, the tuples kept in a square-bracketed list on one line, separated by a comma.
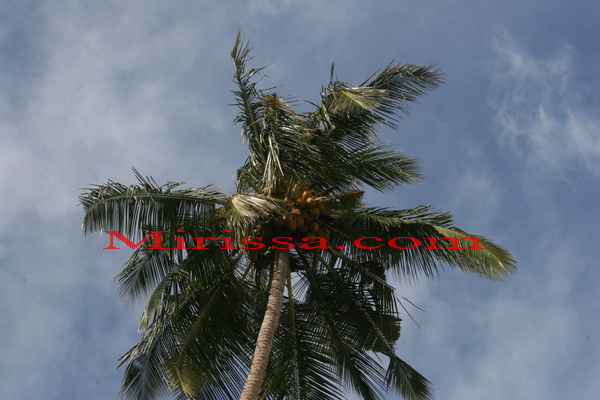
[(304, 216)]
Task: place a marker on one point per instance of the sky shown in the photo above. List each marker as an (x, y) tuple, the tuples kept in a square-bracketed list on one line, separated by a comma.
[(510, 145)]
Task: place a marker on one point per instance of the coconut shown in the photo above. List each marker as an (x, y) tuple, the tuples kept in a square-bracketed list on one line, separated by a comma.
[(280, 221), (291, 225)]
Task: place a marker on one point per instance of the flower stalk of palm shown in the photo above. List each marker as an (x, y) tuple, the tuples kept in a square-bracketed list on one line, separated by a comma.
[(274, 322)]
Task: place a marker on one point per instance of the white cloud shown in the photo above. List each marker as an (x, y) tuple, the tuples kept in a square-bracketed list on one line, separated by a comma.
[(540, 112), (478, 196)]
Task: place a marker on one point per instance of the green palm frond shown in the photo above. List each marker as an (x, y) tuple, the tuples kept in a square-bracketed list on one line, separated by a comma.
[(247, 93), (206, 320), (144, 270), (383, 168), (274, 132), (302, 366), (404, 84), (185, 316), (146, 267), (359, 110), (145, 377), (356, 368), (164, 297), (491, 261), (378, 326), (130, 209), (407, 381)]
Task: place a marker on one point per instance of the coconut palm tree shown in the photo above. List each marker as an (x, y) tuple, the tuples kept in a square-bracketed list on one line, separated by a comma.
[(265, 292)]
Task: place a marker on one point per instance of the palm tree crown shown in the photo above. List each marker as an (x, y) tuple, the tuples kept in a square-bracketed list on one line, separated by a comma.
[(216, 310)]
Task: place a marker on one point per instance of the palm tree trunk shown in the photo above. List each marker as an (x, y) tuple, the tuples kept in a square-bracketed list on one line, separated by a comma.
[(264, 342)]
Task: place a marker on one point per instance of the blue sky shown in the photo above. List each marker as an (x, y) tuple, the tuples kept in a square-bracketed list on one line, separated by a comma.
[(510, 145)]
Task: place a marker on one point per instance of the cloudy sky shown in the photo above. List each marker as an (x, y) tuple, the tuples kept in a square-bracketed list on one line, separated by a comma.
[(510, 145)]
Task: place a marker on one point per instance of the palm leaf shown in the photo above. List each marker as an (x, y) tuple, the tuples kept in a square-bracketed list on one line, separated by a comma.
[(145, 377), (378, 329), (302, 366), (130, 209), (357, 369), (491, 261), (214, 324)]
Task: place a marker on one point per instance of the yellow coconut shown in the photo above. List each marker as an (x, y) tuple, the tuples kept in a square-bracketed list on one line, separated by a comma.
[(291, 225), (315, 211), (314, 227)]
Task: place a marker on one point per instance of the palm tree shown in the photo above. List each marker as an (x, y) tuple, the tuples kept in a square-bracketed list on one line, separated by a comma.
[(244, 313)]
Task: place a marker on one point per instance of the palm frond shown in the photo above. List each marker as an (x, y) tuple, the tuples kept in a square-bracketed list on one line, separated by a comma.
[(301, 366), (253, 207), (359, 110), (144, 270), (383, 168), (247, 93), (184, 318), (357, 369), (378, 329), (407, 381), (146, 267), (129, 209), (280, 149), (145, 377), (215, 331), (404, 84), (420, 223)]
